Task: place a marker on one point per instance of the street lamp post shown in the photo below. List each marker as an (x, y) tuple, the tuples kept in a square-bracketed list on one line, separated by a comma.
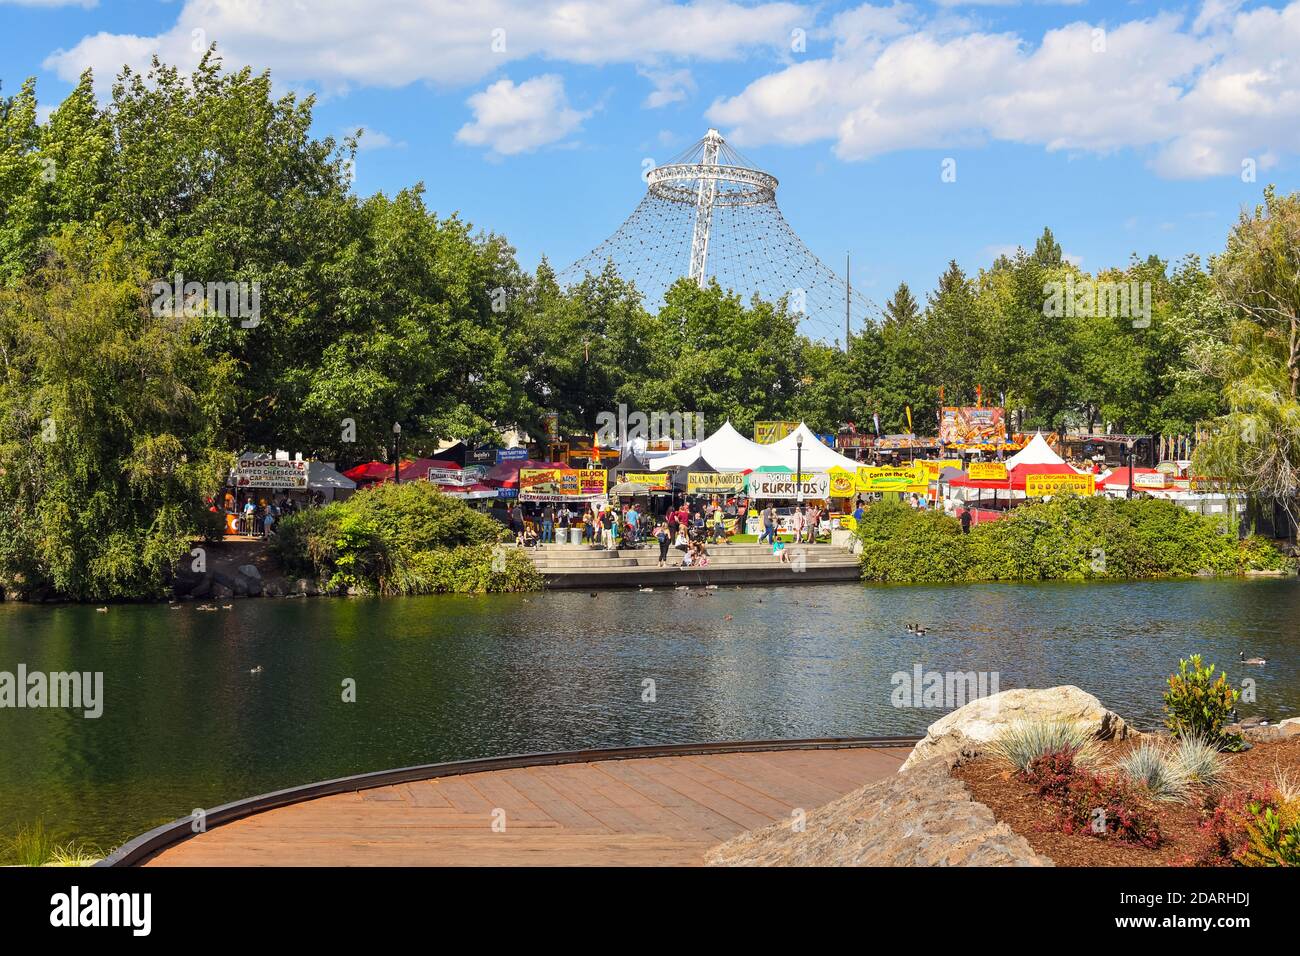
[(1129, 448), (397, 452), (798, 471)]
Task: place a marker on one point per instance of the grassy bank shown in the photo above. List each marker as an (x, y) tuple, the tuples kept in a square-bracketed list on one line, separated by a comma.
[(402, 539), (1067, 538)]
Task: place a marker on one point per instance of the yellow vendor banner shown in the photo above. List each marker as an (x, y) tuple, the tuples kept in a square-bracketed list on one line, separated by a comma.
[(766, 433), (844, 483), (930, 469), (887, 479), (1036, 486), (653, 480), (708, 483), (991, 471)]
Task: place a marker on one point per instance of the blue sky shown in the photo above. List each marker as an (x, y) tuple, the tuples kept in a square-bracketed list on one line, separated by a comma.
[(1122, 125)]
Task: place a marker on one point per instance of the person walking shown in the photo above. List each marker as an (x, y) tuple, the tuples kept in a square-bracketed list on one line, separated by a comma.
[(965, 521), (548, 525), (661, 534), (719, 524), (769, 525), (796, 524)]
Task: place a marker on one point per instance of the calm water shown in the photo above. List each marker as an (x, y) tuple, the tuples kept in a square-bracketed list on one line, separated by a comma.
[(186, 724)]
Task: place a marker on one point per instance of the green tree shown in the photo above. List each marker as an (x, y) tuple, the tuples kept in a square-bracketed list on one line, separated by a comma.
[(107, 427)]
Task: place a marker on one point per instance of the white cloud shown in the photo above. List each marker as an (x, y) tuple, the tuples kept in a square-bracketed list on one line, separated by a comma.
[(670, 86), (341, 43), (1197, 104), (510, 119), (372, 139)]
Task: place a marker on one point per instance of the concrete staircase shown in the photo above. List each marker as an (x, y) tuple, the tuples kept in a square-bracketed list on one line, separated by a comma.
[(584, 566)]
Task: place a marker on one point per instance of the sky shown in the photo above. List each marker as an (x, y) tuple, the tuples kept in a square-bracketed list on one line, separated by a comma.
[(903, 134)]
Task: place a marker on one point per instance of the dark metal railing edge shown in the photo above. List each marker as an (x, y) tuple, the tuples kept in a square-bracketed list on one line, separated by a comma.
[(140, 848)]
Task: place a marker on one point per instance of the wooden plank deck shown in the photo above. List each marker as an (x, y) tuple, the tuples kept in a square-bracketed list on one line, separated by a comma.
[(655, 811)]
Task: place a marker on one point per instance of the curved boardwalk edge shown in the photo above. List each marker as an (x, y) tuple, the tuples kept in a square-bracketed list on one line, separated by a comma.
[(147, 845)]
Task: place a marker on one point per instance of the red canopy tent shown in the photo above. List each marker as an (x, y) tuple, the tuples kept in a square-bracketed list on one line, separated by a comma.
[(506, 474), (1015, 480), (372, 471), (418, 470), (1119, 478)]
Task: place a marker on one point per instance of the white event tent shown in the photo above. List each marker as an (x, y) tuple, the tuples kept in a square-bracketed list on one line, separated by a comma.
[(817, 456), (1037, 452), (726, 450)]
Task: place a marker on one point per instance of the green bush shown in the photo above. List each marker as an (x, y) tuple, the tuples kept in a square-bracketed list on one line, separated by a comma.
[(1066, 538), (1198, 705), (402, 539), (1273, 834)]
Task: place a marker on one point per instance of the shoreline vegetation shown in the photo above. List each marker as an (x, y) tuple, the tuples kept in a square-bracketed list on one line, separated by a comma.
[(1067, 538), (402, 540)]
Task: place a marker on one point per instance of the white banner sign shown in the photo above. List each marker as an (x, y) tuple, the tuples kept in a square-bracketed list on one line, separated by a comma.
[(783, 485), (269, 473)]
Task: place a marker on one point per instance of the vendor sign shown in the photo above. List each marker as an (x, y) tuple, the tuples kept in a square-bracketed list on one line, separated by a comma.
[(561, 484), (447, 476), (269, 473), (511, 454), (1151, 481), (766, 433), (988, 471), (653, 480), (1036, 486), (930, 469), (775, 484), (709, 483), (844, 483), (972, 426), (887, 479)]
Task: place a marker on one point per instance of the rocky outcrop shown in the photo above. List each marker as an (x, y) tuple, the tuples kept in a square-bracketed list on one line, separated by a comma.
[(1255, 729), (967, 729), (920, 816)]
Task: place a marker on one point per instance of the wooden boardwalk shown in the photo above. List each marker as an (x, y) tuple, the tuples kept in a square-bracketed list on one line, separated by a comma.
[(654, 811)]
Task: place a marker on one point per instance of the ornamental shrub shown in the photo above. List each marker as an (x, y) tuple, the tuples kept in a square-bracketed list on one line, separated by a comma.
[(1199, 705)]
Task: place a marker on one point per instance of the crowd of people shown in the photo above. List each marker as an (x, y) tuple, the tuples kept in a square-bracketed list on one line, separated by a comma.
[(254, 515), (687, 526)]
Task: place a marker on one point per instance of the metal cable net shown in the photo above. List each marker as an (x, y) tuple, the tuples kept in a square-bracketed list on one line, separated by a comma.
[(709, 214)]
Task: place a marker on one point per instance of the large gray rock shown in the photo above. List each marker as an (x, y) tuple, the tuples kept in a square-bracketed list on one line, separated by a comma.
[(968, 729), (250, 571), (917, 817), (1257, 732)]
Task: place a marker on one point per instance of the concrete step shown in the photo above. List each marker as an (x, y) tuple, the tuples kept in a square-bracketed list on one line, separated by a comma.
[(649, 561), (769, 573)]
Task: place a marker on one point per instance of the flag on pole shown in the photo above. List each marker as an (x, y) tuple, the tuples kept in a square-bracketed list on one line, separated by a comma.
[(909, 418)]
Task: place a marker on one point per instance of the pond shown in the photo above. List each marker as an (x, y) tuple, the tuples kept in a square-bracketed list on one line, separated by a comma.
[(188, 721)]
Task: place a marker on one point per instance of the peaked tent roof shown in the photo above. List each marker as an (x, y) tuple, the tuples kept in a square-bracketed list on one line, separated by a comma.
[(321, 475), (1037, 452), (726, 449), (817, 456), (700, 467), (630, 461)]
